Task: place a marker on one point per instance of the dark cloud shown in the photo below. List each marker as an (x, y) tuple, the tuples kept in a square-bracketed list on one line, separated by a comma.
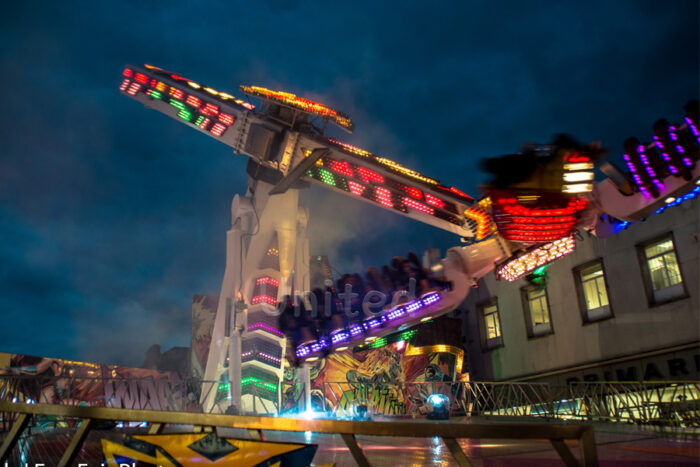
[(112, 216)]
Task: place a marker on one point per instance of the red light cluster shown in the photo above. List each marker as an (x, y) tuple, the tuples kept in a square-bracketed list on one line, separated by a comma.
[(361, 181), (545, 222), (265, 290), (189, 104)]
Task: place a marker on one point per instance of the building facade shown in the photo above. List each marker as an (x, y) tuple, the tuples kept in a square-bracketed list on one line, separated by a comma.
[(622, 308)]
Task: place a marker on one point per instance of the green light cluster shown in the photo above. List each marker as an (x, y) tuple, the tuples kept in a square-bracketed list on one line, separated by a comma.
[(382, 341), (199, 120), (326, 177), (178, 105), (185, 115), (259, 383), (156, 95)]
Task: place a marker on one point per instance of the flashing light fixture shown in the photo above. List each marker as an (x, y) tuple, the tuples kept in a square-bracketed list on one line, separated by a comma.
[(218, 129), (383, 196), (518, 266), (413, 192), (578, 176), (134, 87), (265, 327), (306, 105), (185, 115), (351, 148), (226, 119), (210, 109), (420, 207), (176, 93), (693, 128), (341, 167), (406, 171), (694, 193), (128, 72), (267, 280), (141, 78), (356, 188), (478, 214), (193, 101), (326, 177), (193, 85), (203, 122), (434, 201), (264, 299), (368, 176)]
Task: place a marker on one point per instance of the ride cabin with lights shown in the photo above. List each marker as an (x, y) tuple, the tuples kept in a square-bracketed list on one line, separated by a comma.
[(528, 217)]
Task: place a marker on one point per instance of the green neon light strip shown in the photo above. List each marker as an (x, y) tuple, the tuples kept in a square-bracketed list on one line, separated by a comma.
[(178, 105), (156, 95), (185, 115), (390, 339), (199, 120)]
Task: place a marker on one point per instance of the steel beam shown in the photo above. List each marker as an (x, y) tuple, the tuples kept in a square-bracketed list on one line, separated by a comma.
[(564, 452), (76, 442), (298, 171), (14, 435), (457, 452), (357, 453)]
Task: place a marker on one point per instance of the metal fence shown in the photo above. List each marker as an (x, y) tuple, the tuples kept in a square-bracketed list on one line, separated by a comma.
[(669, 403)]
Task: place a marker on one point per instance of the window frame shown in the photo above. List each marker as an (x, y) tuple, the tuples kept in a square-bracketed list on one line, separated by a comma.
[(486, 342), (646, 272), (531, 334), (581, 295)]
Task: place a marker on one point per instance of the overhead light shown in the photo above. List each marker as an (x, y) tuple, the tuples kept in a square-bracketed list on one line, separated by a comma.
[(578, 176)]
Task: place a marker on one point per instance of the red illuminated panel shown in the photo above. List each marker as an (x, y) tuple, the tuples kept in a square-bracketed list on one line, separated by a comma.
[(209, 109), (133, 89), (341, 167), (413, 204), (383, 196), (369, 175), (218, 129), (546, 221), (356, 188), (205, 123), (128, 72), (226, 119), (414, 192), (434, 201), (176, 93), (193, 101), (141, 78)]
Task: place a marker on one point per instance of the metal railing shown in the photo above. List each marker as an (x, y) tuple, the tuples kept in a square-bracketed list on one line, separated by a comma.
[(556, 433), (667, 403)]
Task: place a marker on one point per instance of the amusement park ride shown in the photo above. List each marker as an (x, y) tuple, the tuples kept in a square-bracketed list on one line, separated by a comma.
[(528, 218)]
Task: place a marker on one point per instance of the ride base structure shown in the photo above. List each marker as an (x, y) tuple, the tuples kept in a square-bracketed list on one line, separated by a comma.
[(520, 225)]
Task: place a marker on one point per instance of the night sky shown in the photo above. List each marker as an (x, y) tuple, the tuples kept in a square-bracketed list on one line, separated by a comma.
[(112, 216)]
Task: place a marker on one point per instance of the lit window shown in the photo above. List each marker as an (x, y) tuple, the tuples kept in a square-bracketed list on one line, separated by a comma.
[(536, 306), (663, 272), (490, 325), (593, 292)]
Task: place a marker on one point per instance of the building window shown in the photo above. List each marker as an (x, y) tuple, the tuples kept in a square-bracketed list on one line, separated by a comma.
[(537, 317), (593, 291), (490, 324), (662, 272)]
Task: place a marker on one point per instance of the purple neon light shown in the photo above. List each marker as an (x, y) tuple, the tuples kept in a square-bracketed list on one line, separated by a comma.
[(303, 351), (431, 298), (693, 128), (269, 357), (266, 328), (342, 335), (339, 336)]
